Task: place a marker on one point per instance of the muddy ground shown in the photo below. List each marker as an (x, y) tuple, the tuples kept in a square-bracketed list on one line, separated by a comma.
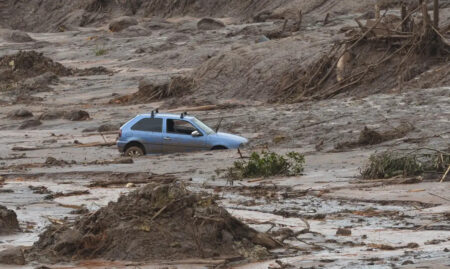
[(55, 167)]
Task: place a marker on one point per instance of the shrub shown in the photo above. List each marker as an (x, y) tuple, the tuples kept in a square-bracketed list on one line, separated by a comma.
[(267, 164), (390, 163), (100, 51)]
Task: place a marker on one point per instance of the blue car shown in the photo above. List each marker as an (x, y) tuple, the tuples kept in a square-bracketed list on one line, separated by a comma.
[(169, 133)]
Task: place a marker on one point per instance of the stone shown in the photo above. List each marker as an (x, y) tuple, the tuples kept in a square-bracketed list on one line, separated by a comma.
[(122, 23), (209, 24), (8, 221), (12, 256), (20, 113), (30, 123)]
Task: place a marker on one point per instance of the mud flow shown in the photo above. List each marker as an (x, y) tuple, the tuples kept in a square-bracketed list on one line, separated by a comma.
[(345, 105)]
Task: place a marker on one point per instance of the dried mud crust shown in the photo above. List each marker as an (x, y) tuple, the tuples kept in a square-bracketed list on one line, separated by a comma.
[(156, 222)]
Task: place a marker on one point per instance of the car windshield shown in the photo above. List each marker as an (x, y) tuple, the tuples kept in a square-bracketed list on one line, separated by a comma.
[(203, 126)]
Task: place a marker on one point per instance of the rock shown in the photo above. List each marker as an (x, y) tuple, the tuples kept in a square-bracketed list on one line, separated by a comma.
[(53, 161), (77, 115), (94, 71), (12, 256), (139, 50), (108, 127), (51, 115), (8, 221), (123, 160), (344, 232), (262, 39), (30, 123), (17, 36), (20, 113), (135, 31), (412, 245), (121, 23), (209, 24)]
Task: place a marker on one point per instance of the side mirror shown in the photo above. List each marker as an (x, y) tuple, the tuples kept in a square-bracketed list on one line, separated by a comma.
[(196, 133)]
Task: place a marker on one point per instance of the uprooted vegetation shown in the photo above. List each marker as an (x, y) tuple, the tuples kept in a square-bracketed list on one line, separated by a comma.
[(389, 164), (160, 222), (150, 90), (385, 53), (267, 164)]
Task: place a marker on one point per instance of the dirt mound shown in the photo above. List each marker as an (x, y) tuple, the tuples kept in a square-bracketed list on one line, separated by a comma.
[(8, 221), (28, 64), (28, 71), (16, 36), (254, 72), (150, 90), (372, 59), (156, 222)]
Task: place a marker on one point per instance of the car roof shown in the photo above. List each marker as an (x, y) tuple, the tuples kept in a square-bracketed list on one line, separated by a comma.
[(166, 115)]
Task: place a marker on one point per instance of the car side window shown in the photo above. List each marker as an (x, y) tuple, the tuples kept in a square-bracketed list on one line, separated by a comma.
[(148, 125), (180, 127)]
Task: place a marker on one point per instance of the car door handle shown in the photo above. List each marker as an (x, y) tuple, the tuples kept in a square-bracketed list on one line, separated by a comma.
[(167, 138)]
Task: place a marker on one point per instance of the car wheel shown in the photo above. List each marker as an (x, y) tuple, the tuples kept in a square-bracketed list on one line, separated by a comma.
[(134, 151)]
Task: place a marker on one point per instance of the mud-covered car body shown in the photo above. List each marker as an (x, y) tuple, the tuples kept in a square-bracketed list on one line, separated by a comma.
[(168, 133)]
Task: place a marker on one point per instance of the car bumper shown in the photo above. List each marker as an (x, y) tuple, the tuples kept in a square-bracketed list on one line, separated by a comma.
[(121, 146)]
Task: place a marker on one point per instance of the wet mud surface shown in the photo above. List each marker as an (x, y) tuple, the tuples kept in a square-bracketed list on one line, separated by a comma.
[(57, 169)]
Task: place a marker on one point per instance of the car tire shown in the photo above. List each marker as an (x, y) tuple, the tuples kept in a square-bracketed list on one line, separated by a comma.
[(134, 151)]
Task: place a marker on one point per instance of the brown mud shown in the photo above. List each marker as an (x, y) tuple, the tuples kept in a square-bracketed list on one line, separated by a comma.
[(292, 75)]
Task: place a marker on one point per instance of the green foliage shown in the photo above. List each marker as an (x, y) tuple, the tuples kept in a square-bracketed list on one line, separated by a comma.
[(100, 51), (267, 164), (390, 163)]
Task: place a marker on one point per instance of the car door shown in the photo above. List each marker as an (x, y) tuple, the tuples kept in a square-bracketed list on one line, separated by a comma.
[(177, 137), (148, 131)]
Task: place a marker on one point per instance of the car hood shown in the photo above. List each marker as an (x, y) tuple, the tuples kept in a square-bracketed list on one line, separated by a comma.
[(229, 137)]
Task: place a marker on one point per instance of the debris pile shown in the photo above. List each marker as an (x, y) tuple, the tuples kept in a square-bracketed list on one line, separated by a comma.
[(27, 64), (389, 164), (385, 53), (155, 222), (370, 136), (150, 90), (8, 221), (28, 71)]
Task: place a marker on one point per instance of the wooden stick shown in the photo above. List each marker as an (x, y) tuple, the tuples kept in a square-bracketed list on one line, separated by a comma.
[(377, 11), (436, 14), (403, 16), (445, 174)]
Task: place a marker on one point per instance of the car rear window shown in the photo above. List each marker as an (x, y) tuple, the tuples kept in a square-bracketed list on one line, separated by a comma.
[(148, 125)]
